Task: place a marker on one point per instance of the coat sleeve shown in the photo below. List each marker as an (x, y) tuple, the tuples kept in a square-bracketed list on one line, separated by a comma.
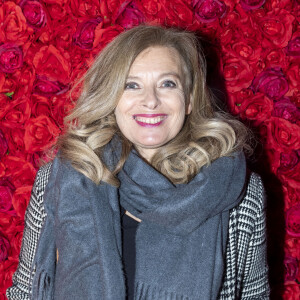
[(34, 219), (255, 283)]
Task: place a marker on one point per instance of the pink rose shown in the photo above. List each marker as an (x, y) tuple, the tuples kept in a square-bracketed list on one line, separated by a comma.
[(43, 86), (85, 33), (252, 4), (291, 268), (34, 13), (293, 47), (287, 110), (293, 221), (11, 58), (208, 11), (6, 193), (3, 145), (271, 82), (4, 248), (129, 15)]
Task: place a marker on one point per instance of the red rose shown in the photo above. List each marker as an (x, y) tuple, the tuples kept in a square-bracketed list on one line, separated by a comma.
[(13, 26), (4, 247), (291, 291), (14, 234), (252, 4), (45, 87), (293, 75), (291, 268), (257, 109), (15, 137), (3, 145), (41, 106), (25, 79), (237, 74), (209, 10), (11, 58), (16, 113), (34, 13), (276, 58), (6, 193), (53, 63), (7, 268), (20, 171), (61, 106), (85, 33), (105, 35), (21, 199), (87, 8), (40, 134), (276, 27), (178, 13), (271, 82), (280, 134), (287, 110)]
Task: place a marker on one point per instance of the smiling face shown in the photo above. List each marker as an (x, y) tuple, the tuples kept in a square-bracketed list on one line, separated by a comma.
[(153, 107)]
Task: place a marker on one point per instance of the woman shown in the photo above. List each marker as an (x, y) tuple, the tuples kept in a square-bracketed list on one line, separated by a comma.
[(149, 197)]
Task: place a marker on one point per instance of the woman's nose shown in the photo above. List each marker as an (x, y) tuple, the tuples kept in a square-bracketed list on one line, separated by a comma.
[(151, 99)]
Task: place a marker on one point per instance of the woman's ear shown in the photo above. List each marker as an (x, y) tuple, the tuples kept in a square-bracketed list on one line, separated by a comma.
[(189, 106)]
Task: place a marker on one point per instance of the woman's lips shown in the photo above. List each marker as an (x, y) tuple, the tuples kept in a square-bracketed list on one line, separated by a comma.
[(149, 120)]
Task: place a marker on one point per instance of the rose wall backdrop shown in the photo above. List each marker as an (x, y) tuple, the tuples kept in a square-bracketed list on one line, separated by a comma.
[(252, 47)]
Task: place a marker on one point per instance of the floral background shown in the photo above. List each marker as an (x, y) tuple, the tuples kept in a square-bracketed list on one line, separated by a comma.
[(252, 47)]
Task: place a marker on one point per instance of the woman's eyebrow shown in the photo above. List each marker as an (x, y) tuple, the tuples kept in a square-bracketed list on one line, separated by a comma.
[(175, 74)]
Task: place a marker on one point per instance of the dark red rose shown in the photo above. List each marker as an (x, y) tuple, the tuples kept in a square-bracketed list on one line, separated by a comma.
[(256, 109), (3, 145), (271, 82), (85, 33), (291, 291), (293, 75), (209, 10), (293, 47), (40, 133), (7, 268), (291, 268), (15, 137), (7, 221), (45, 87), (237, 74), (236, 99), (287, 110), (128, 15), (289, 168), (20, 171), (293, 220), (60, 107), (252, 4), (6, 192), (13, 26), (16, 113), (276, 28), (53, 63), (21, 199), (34, 13), (4, 247), (11, 58)]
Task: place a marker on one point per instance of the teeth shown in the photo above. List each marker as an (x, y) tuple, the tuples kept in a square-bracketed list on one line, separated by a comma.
[(150, 120)]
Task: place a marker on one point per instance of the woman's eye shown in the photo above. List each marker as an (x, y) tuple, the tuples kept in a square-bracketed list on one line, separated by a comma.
[(169, 84), (131, 85)]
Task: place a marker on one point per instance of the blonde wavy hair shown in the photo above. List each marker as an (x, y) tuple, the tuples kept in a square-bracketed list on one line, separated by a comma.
[(207, 133)]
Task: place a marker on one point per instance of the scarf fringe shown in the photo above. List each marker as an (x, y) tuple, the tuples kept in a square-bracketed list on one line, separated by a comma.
[(145, 291)]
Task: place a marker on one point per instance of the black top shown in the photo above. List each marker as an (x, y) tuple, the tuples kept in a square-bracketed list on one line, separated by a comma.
[(129, 227)]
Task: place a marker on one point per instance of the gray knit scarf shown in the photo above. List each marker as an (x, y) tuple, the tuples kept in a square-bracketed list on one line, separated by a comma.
[(180, 243)]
